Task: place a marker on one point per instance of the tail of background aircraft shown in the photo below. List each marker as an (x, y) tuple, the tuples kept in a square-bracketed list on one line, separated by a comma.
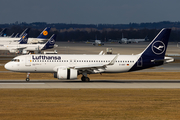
[(50, 43), (12, 35), (2, 33), (154, 54), (25, 31), (17, 35), (44, 33), (23, 39)]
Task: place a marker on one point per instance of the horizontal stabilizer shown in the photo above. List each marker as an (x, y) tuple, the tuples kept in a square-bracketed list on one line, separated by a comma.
[(166, 60)]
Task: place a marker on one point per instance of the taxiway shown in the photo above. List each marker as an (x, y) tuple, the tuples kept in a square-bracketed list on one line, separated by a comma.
[(97, 84)]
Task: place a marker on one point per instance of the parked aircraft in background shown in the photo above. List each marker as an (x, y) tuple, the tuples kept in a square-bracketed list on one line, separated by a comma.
[(69, 66), (40, 39), (2, 33), (27, 48), (96, 42), (127, 41), (25, 31)]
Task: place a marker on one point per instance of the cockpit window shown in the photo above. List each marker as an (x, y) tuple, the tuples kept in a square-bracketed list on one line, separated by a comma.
[(15, 60)]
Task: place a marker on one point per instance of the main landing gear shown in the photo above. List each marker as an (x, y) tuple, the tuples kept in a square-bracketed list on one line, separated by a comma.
[(27, 79), (85, 79)]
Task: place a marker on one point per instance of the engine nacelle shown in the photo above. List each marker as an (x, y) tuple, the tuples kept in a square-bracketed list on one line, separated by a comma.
[(65, 73)]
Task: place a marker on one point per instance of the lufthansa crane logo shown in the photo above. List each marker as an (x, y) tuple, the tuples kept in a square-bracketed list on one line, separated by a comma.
[(52, 41), (45, 33), (23, 39), (158, 47)]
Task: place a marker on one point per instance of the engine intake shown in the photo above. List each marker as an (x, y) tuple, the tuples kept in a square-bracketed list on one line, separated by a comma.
[(66, 73)]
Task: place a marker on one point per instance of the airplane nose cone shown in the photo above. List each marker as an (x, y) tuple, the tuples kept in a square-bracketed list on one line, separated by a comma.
[(8, 66)]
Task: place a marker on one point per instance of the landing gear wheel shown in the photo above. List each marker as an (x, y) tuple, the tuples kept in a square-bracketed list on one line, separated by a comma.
[(85, 79), (27, 79)]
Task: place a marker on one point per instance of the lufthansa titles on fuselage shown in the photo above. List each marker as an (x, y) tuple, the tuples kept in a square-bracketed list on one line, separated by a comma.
[(43, 57)]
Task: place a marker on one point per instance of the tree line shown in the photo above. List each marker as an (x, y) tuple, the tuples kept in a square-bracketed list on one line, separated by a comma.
[(104, 32)]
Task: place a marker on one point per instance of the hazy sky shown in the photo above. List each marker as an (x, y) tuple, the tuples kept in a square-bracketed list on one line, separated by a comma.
[(89, 11)]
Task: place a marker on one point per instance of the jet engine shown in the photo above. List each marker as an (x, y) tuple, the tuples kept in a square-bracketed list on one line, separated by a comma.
[(66, 73)]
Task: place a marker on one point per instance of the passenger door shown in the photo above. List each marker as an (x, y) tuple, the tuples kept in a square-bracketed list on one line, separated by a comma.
[(28, 60), (139, 62)]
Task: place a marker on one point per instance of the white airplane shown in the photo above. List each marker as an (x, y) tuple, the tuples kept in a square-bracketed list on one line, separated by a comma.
[(40, 39), (22, 40), (127, 41), (69, 66), (26, 48), (96, 42)]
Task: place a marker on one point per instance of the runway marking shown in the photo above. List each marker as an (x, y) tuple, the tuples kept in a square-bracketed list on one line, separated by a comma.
[(21, 83)]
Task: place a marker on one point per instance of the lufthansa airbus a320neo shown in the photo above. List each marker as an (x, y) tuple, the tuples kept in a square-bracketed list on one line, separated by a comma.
[(69, 66)]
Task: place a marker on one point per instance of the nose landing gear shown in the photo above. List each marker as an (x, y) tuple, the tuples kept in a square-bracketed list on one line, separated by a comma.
[(27, 78)]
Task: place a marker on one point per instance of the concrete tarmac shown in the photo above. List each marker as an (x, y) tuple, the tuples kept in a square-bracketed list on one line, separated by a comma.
[(97, 84)]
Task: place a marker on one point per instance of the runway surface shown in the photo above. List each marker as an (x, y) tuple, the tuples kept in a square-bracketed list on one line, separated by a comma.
[(98, 84)]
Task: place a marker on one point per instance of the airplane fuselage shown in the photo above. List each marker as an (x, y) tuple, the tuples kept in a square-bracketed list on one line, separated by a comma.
[(49, 63), (25, 46), (8, 40)]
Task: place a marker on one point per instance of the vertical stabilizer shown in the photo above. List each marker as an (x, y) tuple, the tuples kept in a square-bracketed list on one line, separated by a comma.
[(44, 33), (154, 54), (157, 48), (24, 39), (50, 43)]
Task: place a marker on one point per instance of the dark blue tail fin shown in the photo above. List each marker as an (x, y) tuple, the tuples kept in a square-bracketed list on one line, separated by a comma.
[(25, 31), (157, 48), (44, 33), (23, 39), (50, 43), (2, 33), (154, 54), (12, 35), (17, 35)]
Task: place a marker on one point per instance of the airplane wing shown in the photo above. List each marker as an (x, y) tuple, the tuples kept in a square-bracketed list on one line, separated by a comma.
[(91, 68), (95, 68)]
